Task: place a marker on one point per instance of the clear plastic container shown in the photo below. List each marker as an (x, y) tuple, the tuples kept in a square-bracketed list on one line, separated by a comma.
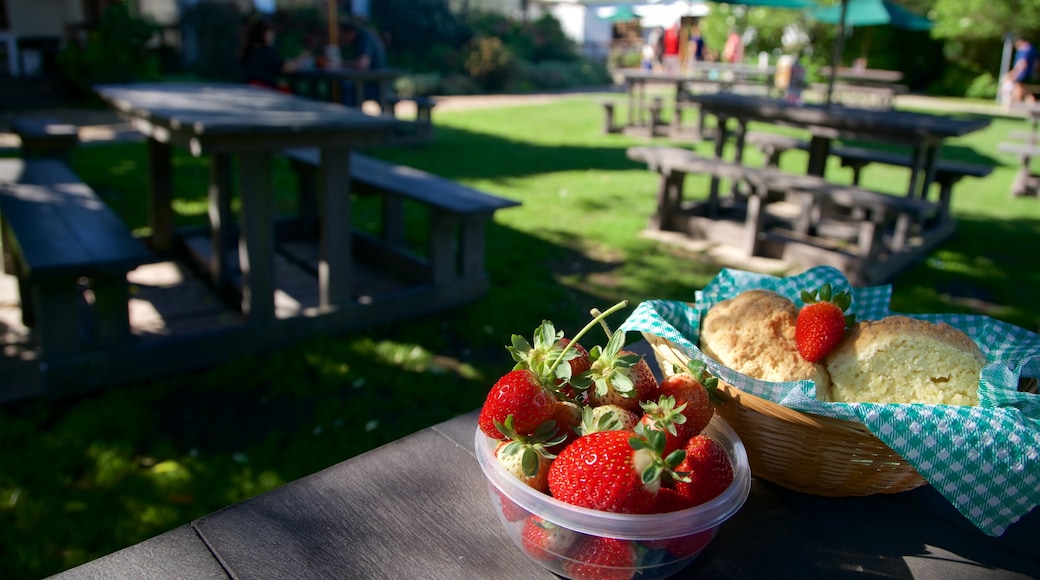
[(663, 543)]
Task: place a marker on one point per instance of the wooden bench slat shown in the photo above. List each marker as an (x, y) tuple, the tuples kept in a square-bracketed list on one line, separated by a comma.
[(60, 222), (413, 183)]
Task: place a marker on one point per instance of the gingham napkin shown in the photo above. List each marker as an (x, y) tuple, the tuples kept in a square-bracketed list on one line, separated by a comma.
[(985, 460)]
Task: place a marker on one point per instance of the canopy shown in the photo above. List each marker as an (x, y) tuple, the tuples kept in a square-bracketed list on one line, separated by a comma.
[(771, 3), (622, 13), (873, 13)]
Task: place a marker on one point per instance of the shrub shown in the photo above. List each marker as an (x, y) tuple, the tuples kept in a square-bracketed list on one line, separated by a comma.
[(113, 52), (489, 63), (212, 34)]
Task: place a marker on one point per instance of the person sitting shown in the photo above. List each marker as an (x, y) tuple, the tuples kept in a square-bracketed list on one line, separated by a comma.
[(261, 62), (365, 51)]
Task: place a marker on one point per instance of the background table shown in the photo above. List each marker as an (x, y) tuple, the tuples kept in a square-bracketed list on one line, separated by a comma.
[(419, 508), (923, 132), (249, 125), (326, 84)]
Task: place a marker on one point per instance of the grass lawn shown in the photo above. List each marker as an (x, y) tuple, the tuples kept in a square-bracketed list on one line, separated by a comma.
[(83, 477)]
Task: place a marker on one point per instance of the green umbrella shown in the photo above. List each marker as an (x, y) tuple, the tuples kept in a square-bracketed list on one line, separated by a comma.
[(771, 3), (622, 13), (864, 13), (873, 13)]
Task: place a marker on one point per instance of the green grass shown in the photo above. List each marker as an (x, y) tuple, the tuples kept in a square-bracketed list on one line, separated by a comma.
[(83, 477)]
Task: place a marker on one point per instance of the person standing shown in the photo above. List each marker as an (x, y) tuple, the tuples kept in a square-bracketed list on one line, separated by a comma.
[(260, 60), (670, 56), (1022, 70), (733, 52), (697, 43)]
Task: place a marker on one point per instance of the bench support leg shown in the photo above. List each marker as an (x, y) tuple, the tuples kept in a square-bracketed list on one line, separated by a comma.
[(669, 199), (220, 219), (111, 310), (55, 303), (335, 280), (160, 195), (256, 245), (442, 246)]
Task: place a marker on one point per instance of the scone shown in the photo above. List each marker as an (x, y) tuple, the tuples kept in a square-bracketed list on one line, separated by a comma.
[(753, 333), (904, 360)]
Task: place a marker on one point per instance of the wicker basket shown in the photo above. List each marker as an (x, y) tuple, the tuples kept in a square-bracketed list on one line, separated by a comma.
[(801, 451)]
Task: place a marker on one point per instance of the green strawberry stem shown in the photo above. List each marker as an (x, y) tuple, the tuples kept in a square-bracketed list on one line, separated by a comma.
[(583, 331), (603, 323)]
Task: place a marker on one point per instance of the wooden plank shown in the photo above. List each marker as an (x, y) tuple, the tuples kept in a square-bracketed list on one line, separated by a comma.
[(414, 183), (256, 245)]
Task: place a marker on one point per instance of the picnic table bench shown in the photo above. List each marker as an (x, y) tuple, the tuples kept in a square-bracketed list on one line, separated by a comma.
[(43, 137), (947, 172), (871, 236), (71, 255), (457, 214), (1026, 182)]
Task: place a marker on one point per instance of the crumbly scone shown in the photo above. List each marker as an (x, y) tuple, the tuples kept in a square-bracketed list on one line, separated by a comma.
[(753, 333), (899, 359)]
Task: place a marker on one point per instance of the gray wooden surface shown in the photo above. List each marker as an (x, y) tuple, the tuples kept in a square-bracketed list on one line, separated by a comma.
[(419, 508)]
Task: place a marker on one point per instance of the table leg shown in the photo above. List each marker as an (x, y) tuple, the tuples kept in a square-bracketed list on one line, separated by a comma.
[(256, 240), (819, 151), (220, 223), (160, 194), (335, 267), (922, 172), (721, 135), (384, 94), (631, 103)]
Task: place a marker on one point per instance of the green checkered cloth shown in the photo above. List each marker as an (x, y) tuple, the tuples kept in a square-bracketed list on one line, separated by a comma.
[(985, 460)]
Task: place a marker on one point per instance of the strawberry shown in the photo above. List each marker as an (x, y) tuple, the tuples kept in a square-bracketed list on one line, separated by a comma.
[(510, 509), (821, 322), (707, 469), (517, 393), (568, 416), (695, 388), (612, 471), (669, 500), (546, 541), (607, 418), (596, 558), (667, 417), (528, 458), (620, 377), (684, 545), (545, 356)]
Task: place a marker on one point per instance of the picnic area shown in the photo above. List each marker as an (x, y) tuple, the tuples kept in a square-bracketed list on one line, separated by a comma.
[(231, 315)]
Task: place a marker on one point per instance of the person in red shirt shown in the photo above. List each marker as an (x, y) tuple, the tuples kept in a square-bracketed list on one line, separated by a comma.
[(670, 58)]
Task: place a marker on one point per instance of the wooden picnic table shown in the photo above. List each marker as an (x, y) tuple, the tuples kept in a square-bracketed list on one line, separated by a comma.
[(924, 133), (419, 507), (712, 76), (864, 76), (249, 125), (327, 83)]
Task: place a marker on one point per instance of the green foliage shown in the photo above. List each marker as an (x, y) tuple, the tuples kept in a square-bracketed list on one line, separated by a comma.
[(535, 41), (216, 35), (115, 51), (416, 25), (983, 87), (489, 62)]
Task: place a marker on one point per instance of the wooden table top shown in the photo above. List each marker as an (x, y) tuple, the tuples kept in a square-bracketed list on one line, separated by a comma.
[(419, 508), (866, 75), (214, 117), (843, 121)]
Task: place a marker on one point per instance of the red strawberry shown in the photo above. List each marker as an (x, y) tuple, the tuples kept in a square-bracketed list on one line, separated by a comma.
[(545, 357), (694, 387), (545, 540), (612, 471), (707, 468), (669, 500), (620, 377), (684, 545), (568, 423), (517, 393), (821, 322), (595, 558), (667, 417), (510, 509)]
